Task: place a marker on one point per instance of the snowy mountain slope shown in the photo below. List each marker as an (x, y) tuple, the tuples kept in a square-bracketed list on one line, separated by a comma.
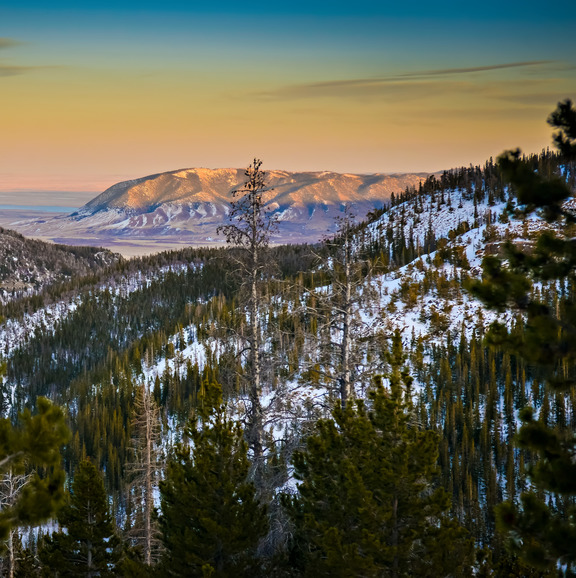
[(423, 298), (15, 332), (28, 265), (190, 204), (438, 286), (421, 251)]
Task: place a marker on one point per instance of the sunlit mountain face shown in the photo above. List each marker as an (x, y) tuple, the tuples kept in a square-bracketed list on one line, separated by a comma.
[(189, 205)]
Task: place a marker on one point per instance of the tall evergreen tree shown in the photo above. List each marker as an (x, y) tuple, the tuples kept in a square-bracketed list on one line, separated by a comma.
[(211, 520), (366, 505), (542, 531), (88, 546), (564, 119)]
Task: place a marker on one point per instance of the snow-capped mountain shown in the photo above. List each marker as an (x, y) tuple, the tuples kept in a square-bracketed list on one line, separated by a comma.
[(190, 204)]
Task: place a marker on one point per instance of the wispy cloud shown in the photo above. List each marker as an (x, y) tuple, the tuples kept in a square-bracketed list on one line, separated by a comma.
[(8, 42), (472, 69), (16, 70), (427, 80), (9, 69)]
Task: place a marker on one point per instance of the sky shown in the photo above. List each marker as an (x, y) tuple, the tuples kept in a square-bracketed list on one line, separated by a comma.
[(97, 92)]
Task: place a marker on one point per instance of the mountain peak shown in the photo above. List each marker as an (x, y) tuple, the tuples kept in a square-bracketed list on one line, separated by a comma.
[(189, 204)]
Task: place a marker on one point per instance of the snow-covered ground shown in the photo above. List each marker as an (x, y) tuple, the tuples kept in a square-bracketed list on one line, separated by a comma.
[(15, 332)]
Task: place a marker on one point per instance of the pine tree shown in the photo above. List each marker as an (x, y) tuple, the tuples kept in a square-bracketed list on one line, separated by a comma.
[(211, 521), (34, 442), (541, 531), (27, 562), (564, 119), (366, 505), (89, 546)]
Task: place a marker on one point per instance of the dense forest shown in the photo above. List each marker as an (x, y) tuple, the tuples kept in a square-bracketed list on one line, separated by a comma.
[(27, 265), (355, 407)]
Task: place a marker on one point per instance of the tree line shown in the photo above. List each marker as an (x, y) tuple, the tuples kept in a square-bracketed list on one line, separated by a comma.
[(459, 432)]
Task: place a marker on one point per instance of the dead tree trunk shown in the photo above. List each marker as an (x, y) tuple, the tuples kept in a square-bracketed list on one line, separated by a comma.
[(11, 485), (337, 305), (249, 233), (145, 469)]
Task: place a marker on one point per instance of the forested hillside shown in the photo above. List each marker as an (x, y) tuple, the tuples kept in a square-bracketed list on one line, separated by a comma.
[(27, 265), (149, 359)]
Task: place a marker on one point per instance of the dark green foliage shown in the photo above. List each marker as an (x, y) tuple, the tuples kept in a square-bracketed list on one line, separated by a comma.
[(550, 257), (366, 505), (35, 441), (556, 470), (499, 286), (540, 191), (508, 566), (564, 118), (533, 190), (89, 546), (211, 521), (27, 565), (548, 337), (536, 530), (542, 528)]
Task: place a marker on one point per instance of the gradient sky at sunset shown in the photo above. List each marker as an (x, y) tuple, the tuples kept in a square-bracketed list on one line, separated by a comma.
[(97, 92)]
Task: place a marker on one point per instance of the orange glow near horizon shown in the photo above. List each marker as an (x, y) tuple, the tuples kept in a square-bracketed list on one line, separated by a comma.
[(84, 116)]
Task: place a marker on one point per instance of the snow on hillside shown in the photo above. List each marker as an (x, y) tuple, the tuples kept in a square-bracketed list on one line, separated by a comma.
[(16, 332), (402, 303), (424, 299)]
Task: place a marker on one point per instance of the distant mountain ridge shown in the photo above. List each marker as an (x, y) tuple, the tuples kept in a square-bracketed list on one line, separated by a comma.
[(190, 204), (191, 186)]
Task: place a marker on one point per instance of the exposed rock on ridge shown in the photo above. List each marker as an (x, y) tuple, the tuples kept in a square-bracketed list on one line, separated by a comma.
[(189, 204)]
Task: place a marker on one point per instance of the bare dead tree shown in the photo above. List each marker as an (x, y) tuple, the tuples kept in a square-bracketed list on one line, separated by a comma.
[(145, 470), (249, 231), (11, 485), (346, 335)]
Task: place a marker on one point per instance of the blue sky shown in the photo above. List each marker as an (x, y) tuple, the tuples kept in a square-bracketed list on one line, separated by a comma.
[(101, 91), (488, 9)]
